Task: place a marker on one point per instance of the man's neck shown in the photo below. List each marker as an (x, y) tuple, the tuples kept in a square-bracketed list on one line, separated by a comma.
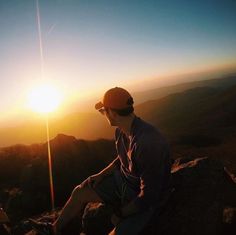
[(126, 124)]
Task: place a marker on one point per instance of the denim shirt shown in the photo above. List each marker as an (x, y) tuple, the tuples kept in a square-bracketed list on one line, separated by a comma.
[(144, 161)]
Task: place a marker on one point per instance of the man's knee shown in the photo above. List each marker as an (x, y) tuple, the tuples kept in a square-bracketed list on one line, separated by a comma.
[(85, 195), (78, 193)]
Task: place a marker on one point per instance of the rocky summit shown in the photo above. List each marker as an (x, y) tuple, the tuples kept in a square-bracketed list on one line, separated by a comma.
[(203, 202)]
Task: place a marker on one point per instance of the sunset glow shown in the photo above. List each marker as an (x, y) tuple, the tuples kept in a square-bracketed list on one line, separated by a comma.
[(86, 49), (44, 99)]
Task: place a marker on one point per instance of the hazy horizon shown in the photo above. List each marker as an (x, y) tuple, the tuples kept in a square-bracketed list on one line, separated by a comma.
[(85, 105)]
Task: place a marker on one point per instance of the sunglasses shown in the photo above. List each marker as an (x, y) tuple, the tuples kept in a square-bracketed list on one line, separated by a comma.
[(103, 111)]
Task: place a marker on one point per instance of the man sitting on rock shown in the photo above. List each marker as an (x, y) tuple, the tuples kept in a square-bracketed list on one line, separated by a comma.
[(136, 183)]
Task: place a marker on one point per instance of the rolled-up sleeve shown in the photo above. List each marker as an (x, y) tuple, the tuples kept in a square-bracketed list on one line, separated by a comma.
[(152, 162)]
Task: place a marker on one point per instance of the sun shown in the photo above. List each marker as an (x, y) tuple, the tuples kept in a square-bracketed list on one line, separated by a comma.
[(44, 98)]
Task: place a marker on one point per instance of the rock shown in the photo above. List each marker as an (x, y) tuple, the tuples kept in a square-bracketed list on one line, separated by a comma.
[(97, 218), (195, 207), (229, 219)]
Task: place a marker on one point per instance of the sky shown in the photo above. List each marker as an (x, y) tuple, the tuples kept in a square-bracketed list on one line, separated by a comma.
[(91, 45)]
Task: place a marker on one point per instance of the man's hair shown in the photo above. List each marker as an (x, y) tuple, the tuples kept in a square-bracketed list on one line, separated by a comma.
[(124, 112)]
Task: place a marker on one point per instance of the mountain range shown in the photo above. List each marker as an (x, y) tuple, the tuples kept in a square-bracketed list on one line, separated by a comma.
[(175, 109)]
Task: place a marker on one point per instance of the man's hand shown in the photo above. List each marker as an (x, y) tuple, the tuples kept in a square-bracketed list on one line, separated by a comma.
[(115, 219), (93, 180)]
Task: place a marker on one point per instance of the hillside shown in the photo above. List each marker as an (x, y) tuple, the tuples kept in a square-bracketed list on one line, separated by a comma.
[(24, 172), (201, 110)]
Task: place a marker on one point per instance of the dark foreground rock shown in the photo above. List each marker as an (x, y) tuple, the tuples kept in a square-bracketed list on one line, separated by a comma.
[(203, 203)]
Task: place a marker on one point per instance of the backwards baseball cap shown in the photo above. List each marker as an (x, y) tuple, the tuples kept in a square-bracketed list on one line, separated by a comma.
[(116, 98)]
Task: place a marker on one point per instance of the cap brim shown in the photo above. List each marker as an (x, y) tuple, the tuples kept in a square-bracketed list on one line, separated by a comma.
[(99, 105)]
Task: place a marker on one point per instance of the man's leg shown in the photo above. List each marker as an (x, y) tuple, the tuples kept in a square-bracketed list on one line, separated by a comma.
[(75, 204)]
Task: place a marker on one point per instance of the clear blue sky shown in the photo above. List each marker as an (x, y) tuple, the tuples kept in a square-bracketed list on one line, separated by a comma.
[(92, 45)]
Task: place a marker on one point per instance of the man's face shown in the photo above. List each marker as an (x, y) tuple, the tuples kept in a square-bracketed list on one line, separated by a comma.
[(110, 116)]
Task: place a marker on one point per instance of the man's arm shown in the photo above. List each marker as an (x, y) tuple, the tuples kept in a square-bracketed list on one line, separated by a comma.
[(93, 180), (110, 168)]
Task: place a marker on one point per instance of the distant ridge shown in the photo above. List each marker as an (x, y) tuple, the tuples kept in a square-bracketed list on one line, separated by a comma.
[(200, 110), (158, 93), (173, 109)]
